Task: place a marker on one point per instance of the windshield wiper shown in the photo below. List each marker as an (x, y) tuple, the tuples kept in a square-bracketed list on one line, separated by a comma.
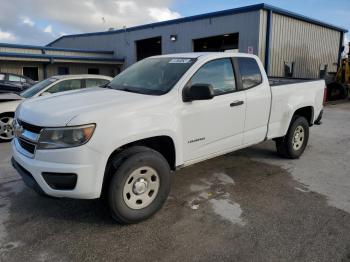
[(107, 86), (126, 89)]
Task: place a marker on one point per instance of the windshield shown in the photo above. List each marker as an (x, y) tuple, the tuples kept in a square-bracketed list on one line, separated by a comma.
[(30, 92), (152, 76)]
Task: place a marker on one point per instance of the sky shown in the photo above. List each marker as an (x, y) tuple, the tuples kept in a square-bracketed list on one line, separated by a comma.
[(39, 22)]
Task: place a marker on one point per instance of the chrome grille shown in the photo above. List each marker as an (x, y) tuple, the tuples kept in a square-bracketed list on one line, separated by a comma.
[(29, 127), (27, 137), (27, 146)]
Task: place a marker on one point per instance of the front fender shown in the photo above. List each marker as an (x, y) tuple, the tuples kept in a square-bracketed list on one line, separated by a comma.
[(117, 131)]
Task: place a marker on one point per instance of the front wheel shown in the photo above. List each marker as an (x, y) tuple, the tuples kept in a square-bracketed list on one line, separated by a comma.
[(139, 186), (293, 144), (6, 127)]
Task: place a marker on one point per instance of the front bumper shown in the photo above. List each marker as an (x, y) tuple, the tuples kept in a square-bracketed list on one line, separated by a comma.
[(50, 169), (27, 177)]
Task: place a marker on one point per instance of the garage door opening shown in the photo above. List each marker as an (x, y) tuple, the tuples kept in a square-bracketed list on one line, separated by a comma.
[(148, 47), (32, 72), (217, 43)]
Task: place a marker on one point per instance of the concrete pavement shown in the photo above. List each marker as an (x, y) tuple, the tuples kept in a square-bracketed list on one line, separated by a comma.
[(246, 206)]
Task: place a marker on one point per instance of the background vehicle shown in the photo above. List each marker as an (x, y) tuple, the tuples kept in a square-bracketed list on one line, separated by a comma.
[(160, 114), (55, 84), (14, 83), (340, 88)]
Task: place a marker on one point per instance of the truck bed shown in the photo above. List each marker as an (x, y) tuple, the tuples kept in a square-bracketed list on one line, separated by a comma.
[(276, 81), (288, 94)]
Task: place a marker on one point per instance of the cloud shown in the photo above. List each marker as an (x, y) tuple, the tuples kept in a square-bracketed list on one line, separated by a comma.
[(6, 36), (161, 14), (48, 29), (27, 21), (41, 21)]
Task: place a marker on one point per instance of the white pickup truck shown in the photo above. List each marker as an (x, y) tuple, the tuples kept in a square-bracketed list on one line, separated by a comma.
[(165, 112)]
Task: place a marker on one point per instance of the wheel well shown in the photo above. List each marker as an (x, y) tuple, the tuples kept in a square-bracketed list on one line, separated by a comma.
[(162, 144), (7, 114), (307, 112)]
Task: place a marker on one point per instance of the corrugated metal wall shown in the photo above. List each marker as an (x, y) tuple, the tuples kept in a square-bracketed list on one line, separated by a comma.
[(72, 53), (20, 50), (16, 67), (108, 70), (15, 64), (262, 35), (123, 44), (307, 45)]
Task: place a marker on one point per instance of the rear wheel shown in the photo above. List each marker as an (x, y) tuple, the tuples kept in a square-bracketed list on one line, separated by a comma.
[(293, 144), (6, 127), (139, 185)]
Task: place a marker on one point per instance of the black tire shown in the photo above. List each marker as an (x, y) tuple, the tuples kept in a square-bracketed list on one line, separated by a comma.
[(284, 145), (6, 115), (123, 165)]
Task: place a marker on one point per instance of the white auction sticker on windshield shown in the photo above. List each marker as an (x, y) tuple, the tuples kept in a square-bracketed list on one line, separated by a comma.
[(180, 61)]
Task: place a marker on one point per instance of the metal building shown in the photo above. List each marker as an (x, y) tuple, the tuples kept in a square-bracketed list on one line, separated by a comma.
[(289, 44), (38, 62)]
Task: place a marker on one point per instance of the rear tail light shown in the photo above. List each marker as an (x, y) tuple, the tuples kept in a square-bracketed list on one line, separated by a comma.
[(325, 98)]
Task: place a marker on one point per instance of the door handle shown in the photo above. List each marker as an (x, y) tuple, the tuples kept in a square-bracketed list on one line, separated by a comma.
[(236, 103)]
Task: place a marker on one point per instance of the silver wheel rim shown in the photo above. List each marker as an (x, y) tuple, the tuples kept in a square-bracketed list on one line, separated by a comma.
[(6, 128), (141, 188), (298, 138)]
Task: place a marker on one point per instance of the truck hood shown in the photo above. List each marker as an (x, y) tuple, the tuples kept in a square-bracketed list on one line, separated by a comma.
[(6, 97), (60, 109)]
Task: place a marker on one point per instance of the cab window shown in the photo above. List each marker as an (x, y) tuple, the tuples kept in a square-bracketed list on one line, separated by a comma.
[(250, 72), (219, 74), (65, 85)]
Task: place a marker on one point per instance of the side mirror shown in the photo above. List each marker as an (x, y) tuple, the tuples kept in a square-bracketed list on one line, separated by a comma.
[(198, 92)]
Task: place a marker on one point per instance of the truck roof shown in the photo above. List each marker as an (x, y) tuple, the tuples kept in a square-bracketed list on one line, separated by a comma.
[(81, 76), (205, 54)]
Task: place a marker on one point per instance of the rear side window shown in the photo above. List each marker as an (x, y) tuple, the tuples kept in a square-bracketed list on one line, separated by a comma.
[(2, 77), (13, 78), (65, 85), (91, 82), (250, 72)]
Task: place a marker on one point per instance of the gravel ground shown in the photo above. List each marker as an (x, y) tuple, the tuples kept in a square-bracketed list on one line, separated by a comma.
[(246, 206)]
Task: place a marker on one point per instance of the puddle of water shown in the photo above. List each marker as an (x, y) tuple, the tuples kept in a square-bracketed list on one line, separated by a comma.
[(198, 188), (212, 190), (224, 179), (46, 256), (228, 210)]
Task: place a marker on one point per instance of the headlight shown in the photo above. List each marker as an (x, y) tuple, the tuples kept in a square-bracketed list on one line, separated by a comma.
[(54, 138)]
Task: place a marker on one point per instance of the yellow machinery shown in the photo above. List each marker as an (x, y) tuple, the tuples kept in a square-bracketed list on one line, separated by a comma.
[(340, 89)]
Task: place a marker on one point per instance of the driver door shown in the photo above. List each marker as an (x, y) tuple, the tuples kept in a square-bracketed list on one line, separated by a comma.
[(216, 125)]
